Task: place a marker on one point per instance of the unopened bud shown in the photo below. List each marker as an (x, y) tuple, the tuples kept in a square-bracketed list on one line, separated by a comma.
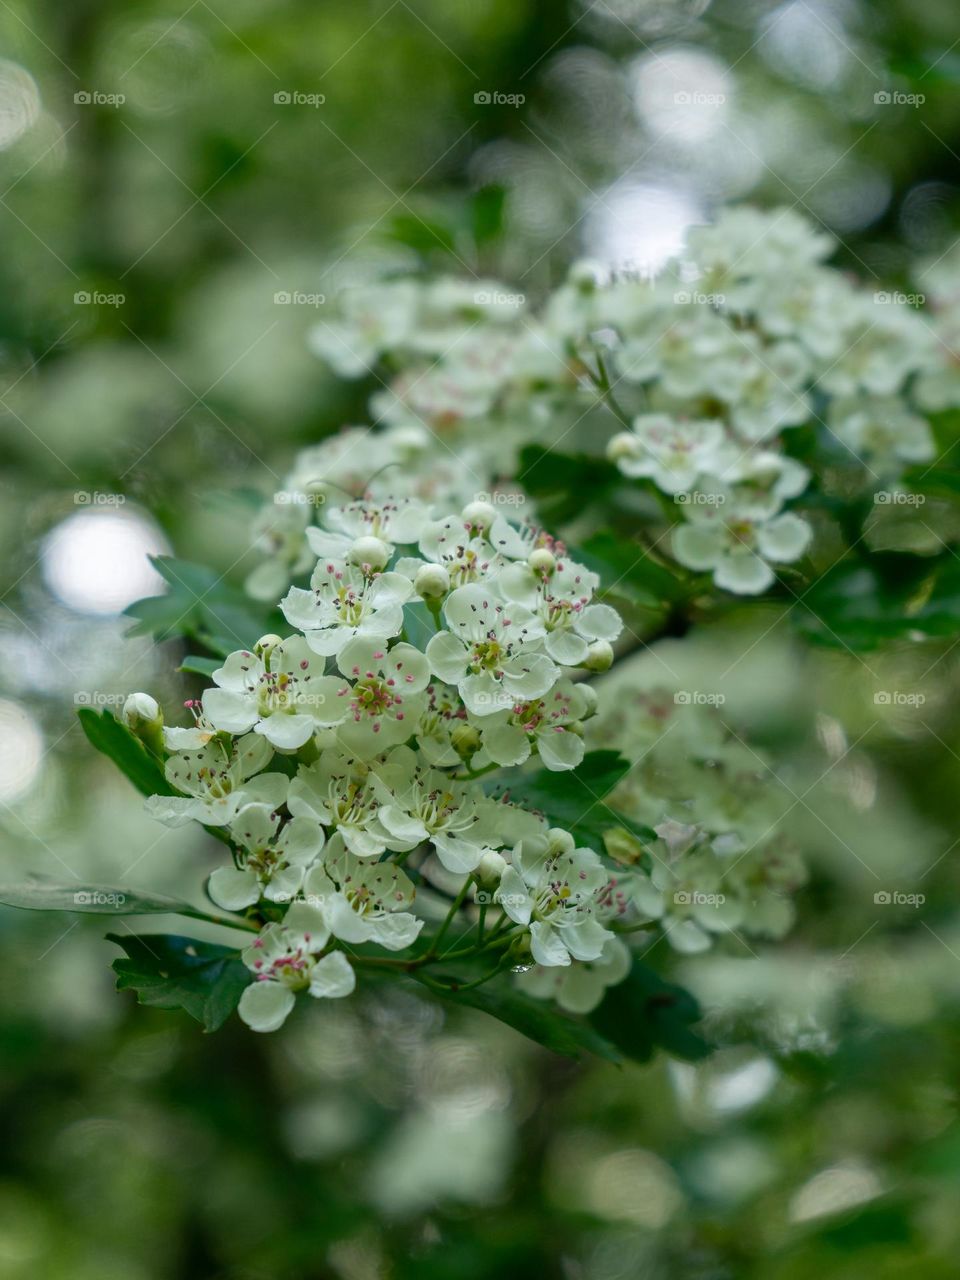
[(479, 515), (599, 656), (139, 710), (369, 551), (622, 445), (490, 871), (560, 841), (465, 740), (432, 582), (542, 561)]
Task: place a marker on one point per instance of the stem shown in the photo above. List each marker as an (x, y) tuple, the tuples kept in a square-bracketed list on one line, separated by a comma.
[(225, 921), (471, 774), (601, 381), (448, 920)]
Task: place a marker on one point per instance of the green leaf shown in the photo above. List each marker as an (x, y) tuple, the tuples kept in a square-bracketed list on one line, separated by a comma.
[(860, 605), (201, 605), (536, 1019), (201, 666), (170, 972), (576, 799), (564, 483), (629, 569), (125, 749), (38, 893), (644, 1012)]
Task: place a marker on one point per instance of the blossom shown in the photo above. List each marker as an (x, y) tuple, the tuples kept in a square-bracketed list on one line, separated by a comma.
[(551, 724), (552, 887), (344, 603), (337, 791), (579, 987), (286, 958), (217, 782), (272, 858), (383, 704), (362, 901), (279, 691), (735, 539), (673, 453), (388, 521), (419, 804), (370, 320), (882, 432), (491, 651), (559, 593)]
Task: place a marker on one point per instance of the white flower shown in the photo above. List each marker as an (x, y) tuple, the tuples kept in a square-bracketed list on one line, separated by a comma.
[(286, 959), (345, 603), (363, 901), (881, 432), (579, 987), (337, 792), (455, 546), (491, 652), (280, 692), (385, 701), (553, 887), (370, 320), (218, 782), (672, 453), (735, 539), (552, 724), (389, 522), (560, 599), (272, 858), (420, 804), (764, 387)]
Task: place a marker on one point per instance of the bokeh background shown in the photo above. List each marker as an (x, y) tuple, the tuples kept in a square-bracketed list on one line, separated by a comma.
[(169, 175)]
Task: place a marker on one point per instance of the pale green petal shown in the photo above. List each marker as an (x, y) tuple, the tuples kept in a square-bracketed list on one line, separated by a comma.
[(332, 977), (264, 1006)]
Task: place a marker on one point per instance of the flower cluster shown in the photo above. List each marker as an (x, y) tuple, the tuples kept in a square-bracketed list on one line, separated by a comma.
[(343, 762), (721, 861), (703, 373)]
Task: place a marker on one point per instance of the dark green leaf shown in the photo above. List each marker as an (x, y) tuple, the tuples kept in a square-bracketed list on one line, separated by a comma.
[(125, 749), (564, 482), (536, 1019), (630, 570), (201, 666), (644, 1012), (170, 972), (38, 893), (575, 798)]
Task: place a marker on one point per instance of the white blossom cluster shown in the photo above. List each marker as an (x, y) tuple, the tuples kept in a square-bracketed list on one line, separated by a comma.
[(342, 761), (721, 862), (744, 337)]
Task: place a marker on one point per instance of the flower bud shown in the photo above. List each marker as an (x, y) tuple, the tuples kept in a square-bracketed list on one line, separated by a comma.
[(599, 656), (559, 841), (590, 697), (479, 515), (622, 445), (140, 710), (490, 871), (370, 551), (432, 581), (542, 561), (465, 740), (622, 846)]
